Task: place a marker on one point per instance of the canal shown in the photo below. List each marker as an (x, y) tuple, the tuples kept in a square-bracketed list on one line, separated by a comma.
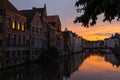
[(86, 66)]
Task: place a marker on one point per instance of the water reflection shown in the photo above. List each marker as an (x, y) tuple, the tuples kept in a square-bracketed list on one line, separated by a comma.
[(96, 68), (75, 67), (113, 59)]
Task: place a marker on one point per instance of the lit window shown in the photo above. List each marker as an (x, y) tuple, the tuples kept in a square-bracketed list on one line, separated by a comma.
[(23, 27), (13, 24), (18, 26)]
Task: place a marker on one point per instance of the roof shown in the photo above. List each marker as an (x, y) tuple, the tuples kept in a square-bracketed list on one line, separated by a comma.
[(7, 5), (29, 14), (52, 18), (116, 36)]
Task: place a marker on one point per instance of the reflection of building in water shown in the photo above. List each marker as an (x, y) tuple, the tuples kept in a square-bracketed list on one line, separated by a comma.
[(35, 71), (62, 67), (72, 63), (112, 59)]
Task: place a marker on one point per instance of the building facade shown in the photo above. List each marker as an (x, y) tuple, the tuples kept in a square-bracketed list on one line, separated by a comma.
[(36, 33), (13, 36), (72, 42)]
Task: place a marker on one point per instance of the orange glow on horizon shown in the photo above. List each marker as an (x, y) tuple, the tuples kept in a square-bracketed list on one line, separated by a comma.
[(99, 32)]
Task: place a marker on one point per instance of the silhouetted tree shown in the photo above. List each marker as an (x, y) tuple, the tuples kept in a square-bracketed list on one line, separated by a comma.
[(90, 9)]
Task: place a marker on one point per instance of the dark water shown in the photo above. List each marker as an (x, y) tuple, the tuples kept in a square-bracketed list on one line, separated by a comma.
[(76, 67)]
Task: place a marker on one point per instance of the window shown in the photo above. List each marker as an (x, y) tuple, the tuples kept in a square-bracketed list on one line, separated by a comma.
[(1, 29), (7, 54), (9, 23), (18, 25), (14, 40), (13, 24), (39, 31), (35, 30), (13, 54), (32, 29), (39, 14), (0, 43), (27, 42), (19, 53), (23, 27), (23, 41), (40, 43), (19, 40), (33, 42), (0, 19), (8, 40)]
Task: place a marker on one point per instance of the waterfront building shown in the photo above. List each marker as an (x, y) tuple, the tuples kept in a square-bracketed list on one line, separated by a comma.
[(110, 42), (43, 17), (25, 34), (14, 37), (72, 42), (113, 41), (67, 41), (34, 24), (55, 32)]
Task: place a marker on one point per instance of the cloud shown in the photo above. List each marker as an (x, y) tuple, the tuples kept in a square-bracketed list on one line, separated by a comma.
[(102, 34), (100, 31)]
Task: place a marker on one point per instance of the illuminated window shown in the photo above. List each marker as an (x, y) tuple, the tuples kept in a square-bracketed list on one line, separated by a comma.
[(13, 24), (23, 27), (18, 26)]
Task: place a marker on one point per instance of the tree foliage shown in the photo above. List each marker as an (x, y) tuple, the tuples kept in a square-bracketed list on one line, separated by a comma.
[(90, 9)]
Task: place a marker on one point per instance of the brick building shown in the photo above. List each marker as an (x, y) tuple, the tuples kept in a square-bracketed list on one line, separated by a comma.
[(34, 24), (24, 34), (14, 36)]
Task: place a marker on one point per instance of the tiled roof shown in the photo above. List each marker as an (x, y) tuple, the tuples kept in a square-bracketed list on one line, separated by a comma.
[(7, 5), (29, 14), (52, 18)]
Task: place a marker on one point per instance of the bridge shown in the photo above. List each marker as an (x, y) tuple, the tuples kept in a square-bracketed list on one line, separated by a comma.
[(98, 48)]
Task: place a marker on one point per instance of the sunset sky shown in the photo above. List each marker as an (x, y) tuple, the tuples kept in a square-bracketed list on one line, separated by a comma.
[(67, 12)]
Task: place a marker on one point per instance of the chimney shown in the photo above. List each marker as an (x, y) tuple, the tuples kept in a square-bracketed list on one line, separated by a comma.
[(34, 8), (44, 5)]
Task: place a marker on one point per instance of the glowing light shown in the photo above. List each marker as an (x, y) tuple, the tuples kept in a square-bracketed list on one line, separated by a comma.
[(23, 27), (13, 24), (18, 26)]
